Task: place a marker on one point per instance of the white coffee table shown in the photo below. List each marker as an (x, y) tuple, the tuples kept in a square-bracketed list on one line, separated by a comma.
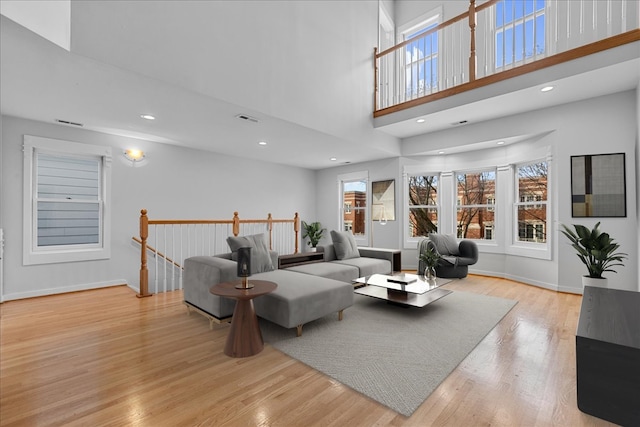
[(418, 293)]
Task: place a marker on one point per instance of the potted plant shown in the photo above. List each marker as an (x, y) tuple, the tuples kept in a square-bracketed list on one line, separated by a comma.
[(596, 250), (430, 257), (314, 232)]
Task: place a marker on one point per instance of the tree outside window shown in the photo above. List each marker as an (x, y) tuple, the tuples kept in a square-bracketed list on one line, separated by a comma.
[(475, 212), (423, 205)]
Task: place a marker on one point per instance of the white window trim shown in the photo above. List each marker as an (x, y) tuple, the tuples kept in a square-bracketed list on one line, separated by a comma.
[(531, 249), (355, 176), (30, 254)]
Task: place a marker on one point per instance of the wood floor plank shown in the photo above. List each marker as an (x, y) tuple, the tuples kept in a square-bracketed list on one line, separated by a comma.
[(104, 357)]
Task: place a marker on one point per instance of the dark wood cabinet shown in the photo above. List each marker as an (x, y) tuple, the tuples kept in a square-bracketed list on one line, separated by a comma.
[(285, 261), (608, 355)]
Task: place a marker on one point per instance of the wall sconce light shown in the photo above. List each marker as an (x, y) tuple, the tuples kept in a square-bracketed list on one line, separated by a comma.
[(244, 267), (134, 156), (383, 217)]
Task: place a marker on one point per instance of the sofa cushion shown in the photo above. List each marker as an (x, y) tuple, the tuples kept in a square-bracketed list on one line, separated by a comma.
[(367, 266), (301, 298), (446, 244), (330, 270), (260, 256), (344, 244)]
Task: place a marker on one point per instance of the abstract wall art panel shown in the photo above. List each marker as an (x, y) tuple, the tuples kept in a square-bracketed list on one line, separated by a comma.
[(598, 187), (384, 200)]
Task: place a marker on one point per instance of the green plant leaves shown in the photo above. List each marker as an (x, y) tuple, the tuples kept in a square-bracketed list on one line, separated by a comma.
[(596, 249)]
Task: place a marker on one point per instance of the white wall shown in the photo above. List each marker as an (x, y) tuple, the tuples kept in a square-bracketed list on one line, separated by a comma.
[(637, 159), (50, 19), (175, 183), (601, 125)]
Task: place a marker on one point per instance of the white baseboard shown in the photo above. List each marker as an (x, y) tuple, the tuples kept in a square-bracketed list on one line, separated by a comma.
[(528, 281), (65, 289)]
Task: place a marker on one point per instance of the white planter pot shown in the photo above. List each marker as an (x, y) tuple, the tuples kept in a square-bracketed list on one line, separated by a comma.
[(592, 281), (313, 249)]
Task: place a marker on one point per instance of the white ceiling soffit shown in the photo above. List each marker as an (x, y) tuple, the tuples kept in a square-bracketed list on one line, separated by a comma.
[(40, 81)]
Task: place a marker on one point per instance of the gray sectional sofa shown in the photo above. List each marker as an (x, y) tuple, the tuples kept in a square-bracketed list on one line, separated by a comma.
[(305, 292)]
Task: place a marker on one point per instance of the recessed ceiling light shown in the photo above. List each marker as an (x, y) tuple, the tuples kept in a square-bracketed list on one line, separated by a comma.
[(262, 142), (546, 89), (420, 121), (333, 159), (500, 142), (147, 116), (440, 152)]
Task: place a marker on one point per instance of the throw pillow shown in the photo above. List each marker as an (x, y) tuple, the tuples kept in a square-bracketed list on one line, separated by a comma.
[(344, 244), (260, 256), (446, 244)]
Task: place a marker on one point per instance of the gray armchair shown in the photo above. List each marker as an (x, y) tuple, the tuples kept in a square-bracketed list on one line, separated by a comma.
[(456, 257)]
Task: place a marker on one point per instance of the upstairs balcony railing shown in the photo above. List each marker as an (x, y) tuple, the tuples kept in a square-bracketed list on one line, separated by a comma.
[(496, 40)]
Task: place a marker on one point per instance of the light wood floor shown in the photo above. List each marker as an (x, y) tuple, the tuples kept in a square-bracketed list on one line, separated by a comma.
[(107, 358)]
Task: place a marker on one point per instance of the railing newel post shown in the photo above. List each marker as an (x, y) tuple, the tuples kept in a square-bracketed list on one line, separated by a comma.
[(270, 228), (296, 229), (473, 62), (144, 271), (236, 224)]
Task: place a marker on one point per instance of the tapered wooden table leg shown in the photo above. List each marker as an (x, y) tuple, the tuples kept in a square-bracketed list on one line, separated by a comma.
[(245, 337)]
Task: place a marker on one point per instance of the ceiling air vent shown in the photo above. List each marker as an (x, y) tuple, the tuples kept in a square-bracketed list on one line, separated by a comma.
[(461, 122), (247, 118), (67, 122)]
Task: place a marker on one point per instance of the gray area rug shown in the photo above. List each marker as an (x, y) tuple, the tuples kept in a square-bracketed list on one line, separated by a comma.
[(396, 356)]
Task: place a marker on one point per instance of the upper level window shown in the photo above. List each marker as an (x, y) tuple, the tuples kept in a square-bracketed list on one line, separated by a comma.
[(520, 31), (476, 191), (420, 55), (423, 204), (65, 201), (531, 208)]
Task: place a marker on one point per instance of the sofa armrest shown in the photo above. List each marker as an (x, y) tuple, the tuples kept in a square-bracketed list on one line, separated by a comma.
[(200, 274), (391, 255), (469, 249)]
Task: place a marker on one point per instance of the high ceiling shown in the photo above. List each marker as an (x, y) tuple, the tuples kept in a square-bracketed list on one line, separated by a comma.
[(303, 70)]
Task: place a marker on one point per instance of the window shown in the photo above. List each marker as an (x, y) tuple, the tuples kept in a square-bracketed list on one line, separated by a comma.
[(354, 195), (475, 212), (520, 31), (65, 201), (423, 204), (531, 208), (421, 63), (491, 201), (420, 56)]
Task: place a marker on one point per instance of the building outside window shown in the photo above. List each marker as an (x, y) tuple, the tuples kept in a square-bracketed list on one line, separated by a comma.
[(354, 196), (475, 212), (531, 208)]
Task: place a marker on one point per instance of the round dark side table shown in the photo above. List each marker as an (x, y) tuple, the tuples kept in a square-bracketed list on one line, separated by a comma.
[(245, 337)]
